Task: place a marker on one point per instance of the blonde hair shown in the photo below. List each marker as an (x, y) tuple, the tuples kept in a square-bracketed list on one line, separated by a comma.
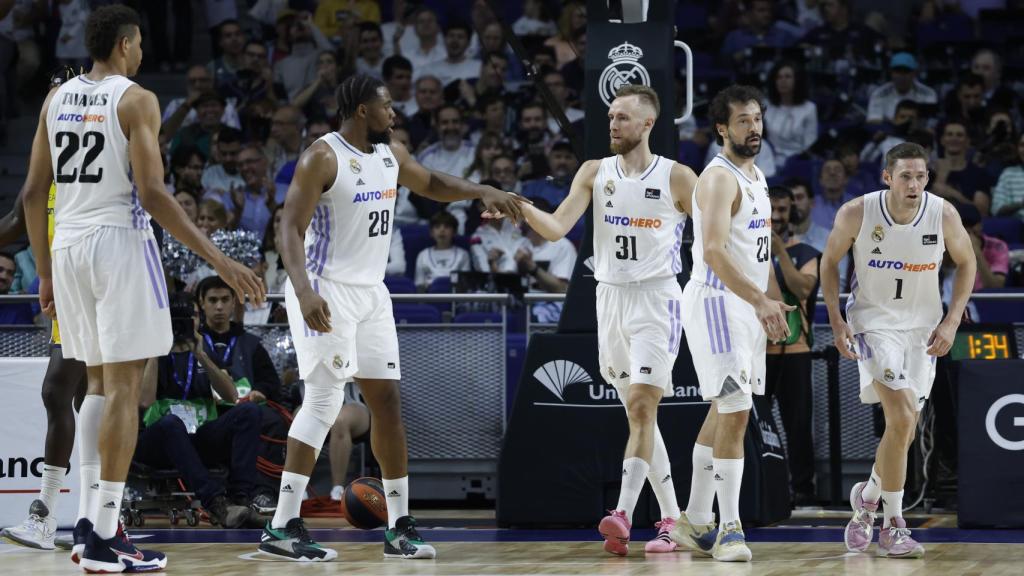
[(646, 94)]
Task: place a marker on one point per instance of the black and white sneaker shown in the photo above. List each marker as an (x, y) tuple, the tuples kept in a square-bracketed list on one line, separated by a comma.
[(403, 541), (293, 543), (264, 503)]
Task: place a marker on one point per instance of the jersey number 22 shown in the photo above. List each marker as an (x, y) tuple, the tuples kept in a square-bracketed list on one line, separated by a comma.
[(69, 144)]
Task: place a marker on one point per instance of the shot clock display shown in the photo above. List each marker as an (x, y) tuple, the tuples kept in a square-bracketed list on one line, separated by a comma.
[(984, 342)]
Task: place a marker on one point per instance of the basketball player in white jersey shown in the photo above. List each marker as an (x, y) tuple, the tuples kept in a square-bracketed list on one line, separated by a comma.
[(97, 138), (729, 313), (640, 202), (892, 325), (336, 232)]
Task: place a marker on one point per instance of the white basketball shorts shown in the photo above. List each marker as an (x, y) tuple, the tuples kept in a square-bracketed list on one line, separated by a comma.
[(111, 297), (898, 359), (639, 328), (362, 342), (726, 340)]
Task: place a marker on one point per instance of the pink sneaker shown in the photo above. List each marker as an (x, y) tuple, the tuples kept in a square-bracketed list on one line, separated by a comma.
[(615, 529), (895, 541), (861, 528), (662, 542)]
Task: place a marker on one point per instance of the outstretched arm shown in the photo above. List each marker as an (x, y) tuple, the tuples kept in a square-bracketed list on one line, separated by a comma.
[(557, 225)]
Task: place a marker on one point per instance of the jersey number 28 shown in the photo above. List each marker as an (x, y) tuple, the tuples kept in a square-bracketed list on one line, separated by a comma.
[(380, 223), (69, 144)]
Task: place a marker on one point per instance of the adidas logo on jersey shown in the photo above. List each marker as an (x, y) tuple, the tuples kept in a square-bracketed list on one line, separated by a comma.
[(110, 505), (666, 478), (360, 182), (608, 204), (755, 213), (624, 375), (876, 251)]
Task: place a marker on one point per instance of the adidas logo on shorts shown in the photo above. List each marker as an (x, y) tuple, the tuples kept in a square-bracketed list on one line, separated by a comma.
[(666, 478)]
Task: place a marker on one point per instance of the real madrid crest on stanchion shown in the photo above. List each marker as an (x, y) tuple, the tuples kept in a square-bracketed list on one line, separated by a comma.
[(624, 69)]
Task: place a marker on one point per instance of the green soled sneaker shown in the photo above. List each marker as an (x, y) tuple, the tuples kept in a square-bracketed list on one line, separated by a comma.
[(293, 543), (403, 541)]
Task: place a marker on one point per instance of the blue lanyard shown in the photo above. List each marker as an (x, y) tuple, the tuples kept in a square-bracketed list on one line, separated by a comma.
[(188, 375), (227, 353)]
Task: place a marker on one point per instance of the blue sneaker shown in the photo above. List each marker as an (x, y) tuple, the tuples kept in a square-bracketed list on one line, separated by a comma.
[(118, 554), (78, 536)]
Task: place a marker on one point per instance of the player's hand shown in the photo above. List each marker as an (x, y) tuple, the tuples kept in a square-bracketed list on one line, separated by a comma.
[(778, 246), (772, 315), (500, 203), (524, 260), (256, 396), (941, 339), (46, 303), (238, 197), (842, 335), (243, 281), (315, 311)]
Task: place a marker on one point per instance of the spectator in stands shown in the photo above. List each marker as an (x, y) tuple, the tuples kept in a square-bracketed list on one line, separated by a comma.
[(232, 348), (224, 68), (457, 65), (397, 76), (331, 15), (285, 142), (791, 121), (443, 258), (220, 176), (494, 117), (788, 363), (859, 179), (212, 216), (903, 85), (989, 66), (1008, 198), (535, 20), (426, 45), (189, 202), (533, 136), (70, 49), (832, 185), (760, 29), (452, 153), (491, 144), (183, 429), (548, 264), (956, 178), (503, 171), (555, 82), (281, 43), (563, 164), (209, 110), (492, 39), (251, 205), (299, 68), (274, 275), (371, 51), (316, 128), (803, 228), (187, 168), (892, 133), (14, 312), (494, 245), (991, 253), (965, 105), (255, 80), (840, 38), (181, 112), (429, 99), (493, 70), (352, 426), (572, 19), (318, 98), (573, 71)]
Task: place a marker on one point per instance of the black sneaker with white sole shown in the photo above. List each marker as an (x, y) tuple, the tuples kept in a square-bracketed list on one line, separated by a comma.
[(293, 543), (404, 541)]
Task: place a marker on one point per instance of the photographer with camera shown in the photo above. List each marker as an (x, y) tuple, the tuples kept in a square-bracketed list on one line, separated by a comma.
[(182, 428)]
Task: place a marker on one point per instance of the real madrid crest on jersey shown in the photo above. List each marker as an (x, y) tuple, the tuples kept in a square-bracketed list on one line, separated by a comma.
[(354, 165), (609, 188), (624, 69), (878, 234)]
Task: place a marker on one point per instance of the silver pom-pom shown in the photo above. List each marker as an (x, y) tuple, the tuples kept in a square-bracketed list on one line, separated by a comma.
[(239, 245), (178, 261), (282, 350)]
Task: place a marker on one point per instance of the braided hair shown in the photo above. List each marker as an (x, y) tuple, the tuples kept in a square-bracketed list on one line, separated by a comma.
[(353, 91)]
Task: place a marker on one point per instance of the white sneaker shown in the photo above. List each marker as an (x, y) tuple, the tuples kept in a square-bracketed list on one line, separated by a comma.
[(336, 493), (37, 531), (731, 544)]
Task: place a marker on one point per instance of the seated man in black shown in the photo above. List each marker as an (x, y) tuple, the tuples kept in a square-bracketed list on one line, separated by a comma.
[(182, 428)]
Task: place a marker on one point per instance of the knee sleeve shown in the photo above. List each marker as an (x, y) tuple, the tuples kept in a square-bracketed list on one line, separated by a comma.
[(735, 401), (320, 407)]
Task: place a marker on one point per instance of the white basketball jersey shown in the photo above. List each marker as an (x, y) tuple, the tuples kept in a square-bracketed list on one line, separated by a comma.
[(637, 229), (895, 284), (750, 240), (90, 160), (349, 237)]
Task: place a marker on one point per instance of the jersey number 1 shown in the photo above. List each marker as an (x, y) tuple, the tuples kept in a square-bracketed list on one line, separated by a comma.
[(380, 223), (69, 144)]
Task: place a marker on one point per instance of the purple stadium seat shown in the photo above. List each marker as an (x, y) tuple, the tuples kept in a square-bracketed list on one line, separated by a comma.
[(399, 285), (416, 314)]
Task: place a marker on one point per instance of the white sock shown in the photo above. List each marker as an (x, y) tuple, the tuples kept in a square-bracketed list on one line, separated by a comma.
[(396, 493), (660, 477), (702, 486), (634, 472), (892, 504), (289, 499), (89, 417), (49, 488), (728, 478), (873, 489), (109, 509)]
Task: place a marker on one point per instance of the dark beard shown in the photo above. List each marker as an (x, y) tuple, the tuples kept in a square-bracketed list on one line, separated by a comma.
[(745, 151), (374, 137), (796, 218)]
